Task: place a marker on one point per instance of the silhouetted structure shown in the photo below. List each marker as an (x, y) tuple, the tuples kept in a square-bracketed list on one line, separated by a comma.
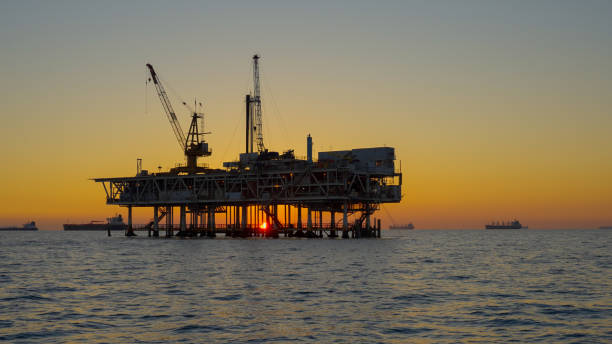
[(263, 193)]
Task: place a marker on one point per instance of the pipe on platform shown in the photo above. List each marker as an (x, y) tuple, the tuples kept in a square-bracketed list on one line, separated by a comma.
[(309, 148)]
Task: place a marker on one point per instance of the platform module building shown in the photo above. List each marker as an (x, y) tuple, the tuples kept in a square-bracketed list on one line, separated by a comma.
[(265, 193)]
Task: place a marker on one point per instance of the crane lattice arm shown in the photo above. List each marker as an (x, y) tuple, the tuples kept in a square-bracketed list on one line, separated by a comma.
[(163, 97)]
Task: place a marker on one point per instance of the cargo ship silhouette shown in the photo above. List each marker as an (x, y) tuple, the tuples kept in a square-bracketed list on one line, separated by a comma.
[(505, 225), (26, 227), (114, 223), (406, 226)]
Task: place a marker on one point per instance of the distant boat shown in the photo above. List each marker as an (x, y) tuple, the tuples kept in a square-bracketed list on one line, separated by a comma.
[(26, 227), (406, 226), (114, 223), (505, 225), (605, 227)]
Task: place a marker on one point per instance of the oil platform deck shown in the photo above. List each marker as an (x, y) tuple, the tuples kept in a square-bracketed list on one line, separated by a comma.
[(267, 197)]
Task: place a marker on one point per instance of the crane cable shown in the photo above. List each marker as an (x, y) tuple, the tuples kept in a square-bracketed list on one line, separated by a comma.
[(278, 114), (388, 213), (231, 140), (174, 93)]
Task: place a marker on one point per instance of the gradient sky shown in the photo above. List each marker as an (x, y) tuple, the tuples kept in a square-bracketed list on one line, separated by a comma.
[(497, 109)]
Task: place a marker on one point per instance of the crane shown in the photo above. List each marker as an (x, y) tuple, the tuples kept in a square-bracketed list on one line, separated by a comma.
[(193, 145)]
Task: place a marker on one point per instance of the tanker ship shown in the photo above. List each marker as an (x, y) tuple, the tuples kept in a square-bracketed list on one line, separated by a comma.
[(505, 225), (404, 226), (26, 227), (114, 223)]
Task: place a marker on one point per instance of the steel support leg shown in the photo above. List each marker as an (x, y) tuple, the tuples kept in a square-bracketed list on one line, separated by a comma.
[(130, 229), (155, 221), (345, 221), (169, 221), (183, 219), (309, 219), (244, 218)]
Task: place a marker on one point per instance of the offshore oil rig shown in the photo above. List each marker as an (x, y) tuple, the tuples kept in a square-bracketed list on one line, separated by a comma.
[(263, 193)]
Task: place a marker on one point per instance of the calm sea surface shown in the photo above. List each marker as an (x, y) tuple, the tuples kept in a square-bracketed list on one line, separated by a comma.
[(410, 286)]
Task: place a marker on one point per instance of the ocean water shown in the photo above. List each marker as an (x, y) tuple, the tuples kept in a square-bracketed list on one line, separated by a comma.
[(417, 286)]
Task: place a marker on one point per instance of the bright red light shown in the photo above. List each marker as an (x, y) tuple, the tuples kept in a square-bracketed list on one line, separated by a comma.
[(263, 226)]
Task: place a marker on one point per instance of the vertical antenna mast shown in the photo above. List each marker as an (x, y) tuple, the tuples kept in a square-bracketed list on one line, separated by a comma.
[(257, 104)]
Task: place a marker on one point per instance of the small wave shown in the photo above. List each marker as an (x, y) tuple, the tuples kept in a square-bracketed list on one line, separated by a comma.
[(6, 324), (497, 295), (228, 297), (556, 271), (459, 277), (27, 298), (410, 297), (152, 317), (71, 315), (573, 335), (407, 330), (94, 325), (501, 322), (60, 289), (35, 335), (175, 292), (282, 339), (571, 310), (120, 316), (421, 298), (198, 328)]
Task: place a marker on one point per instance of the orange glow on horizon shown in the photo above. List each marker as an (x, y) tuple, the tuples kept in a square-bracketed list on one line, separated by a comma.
[(488, 125)]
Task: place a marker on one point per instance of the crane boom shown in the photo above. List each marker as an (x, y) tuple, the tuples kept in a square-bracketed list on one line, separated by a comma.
[(163, 97)]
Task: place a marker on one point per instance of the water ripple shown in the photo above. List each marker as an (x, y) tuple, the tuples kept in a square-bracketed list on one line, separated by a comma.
[(415, 286)]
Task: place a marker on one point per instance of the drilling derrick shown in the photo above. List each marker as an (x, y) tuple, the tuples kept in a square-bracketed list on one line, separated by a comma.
[(256, 105)]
